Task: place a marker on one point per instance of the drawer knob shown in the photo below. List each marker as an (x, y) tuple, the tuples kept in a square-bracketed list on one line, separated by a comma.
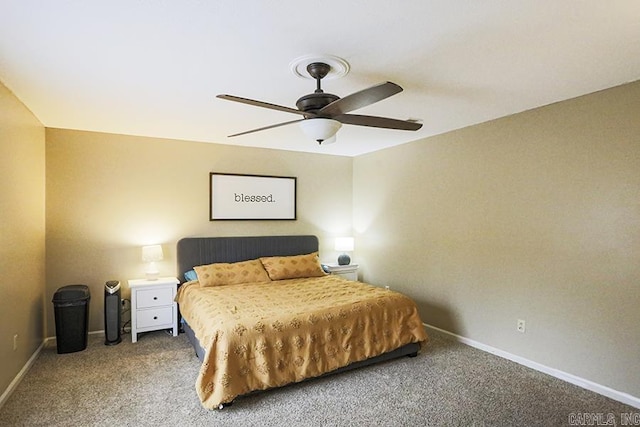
[(155, 298), (155, 317)]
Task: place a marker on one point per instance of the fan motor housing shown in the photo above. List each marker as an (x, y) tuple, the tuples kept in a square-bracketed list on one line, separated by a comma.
[(315, 101)]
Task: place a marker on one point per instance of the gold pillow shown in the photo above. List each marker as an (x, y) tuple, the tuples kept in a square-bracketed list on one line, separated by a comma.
[(293, 267), (235, 273)]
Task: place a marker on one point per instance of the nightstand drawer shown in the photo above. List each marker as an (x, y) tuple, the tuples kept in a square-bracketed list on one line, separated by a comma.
[(154, 297), (155, 317)]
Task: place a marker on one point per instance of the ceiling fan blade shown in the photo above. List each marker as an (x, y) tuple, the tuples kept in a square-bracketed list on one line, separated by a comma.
[(265, 128), (261, 104), (377, 122), (361, 99)]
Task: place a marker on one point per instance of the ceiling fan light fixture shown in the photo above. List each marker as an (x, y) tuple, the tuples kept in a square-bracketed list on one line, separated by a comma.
[(320, 129)]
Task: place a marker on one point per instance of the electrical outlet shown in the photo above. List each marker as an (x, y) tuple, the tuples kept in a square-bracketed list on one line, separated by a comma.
[(15, 342), (521, 326)]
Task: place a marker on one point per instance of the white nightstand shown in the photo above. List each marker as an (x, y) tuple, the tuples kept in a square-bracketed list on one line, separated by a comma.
[(349, 272), (152, 305)]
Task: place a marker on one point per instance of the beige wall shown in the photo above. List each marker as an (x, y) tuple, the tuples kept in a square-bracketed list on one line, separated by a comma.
[(108, 195), (22, 240), (535, 216)]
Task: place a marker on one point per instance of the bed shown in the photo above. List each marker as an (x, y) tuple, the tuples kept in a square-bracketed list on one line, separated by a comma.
[(254, 331)]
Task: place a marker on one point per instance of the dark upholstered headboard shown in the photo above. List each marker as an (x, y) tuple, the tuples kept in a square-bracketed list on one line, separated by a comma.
[(192, 251)]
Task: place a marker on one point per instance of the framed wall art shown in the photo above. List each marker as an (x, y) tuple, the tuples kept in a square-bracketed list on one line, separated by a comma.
[(243, 197)]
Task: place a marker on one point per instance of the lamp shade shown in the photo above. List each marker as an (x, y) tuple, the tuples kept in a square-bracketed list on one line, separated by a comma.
[(344, 244), (151, 253), (320, 129)]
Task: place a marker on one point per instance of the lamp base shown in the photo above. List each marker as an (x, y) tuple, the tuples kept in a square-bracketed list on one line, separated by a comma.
[(152, 272), (344, 259)]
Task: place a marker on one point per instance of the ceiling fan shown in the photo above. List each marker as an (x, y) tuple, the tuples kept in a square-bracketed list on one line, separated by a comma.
[(324, 113)]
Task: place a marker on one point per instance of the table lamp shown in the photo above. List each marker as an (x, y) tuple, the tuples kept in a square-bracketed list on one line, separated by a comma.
[(344, 244), (151, 254)]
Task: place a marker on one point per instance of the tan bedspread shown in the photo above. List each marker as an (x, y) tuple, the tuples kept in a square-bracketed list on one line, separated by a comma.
[(262, 335)]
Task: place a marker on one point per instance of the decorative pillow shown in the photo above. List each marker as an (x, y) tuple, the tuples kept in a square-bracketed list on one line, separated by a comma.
[(293, 267), (235, 273), (190, 275)]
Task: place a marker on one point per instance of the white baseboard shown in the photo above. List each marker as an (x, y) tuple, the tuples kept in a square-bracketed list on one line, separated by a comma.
[(20, 376), (570, 378)]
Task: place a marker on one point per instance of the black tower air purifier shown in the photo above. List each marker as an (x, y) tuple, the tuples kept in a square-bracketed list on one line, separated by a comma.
[(112, 312)]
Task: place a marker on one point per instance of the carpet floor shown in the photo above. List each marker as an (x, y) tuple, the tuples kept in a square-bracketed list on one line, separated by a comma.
[(151, 383)]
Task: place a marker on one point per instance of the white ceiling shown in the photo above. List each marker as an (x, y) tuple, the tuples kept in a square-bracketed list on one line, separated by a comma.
[(153, 68)]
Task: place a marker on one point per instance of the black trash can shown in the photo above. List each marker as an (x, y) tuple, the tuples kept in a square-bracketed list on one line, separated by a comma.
[(71, 307)]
